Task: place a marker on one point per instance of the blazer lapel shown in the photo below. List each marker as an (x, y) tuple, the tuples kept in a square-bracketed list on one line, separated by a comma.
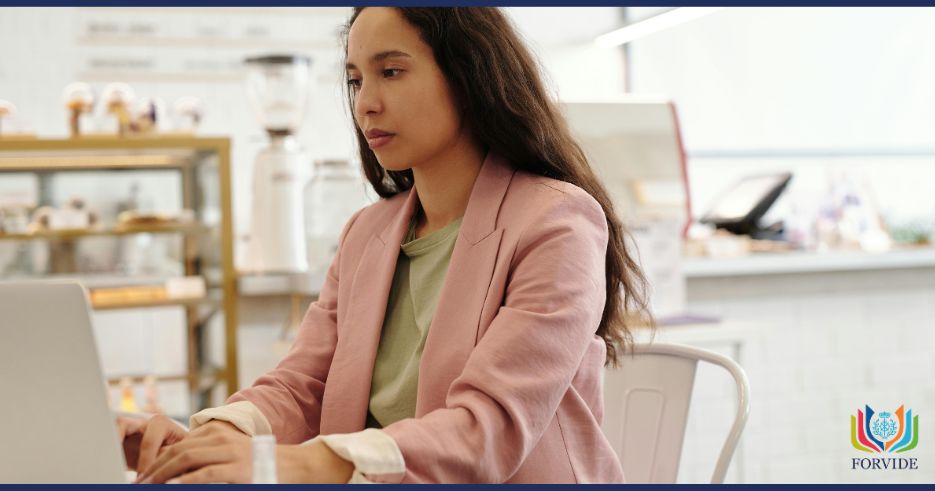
[(453, 332), (344, 408)]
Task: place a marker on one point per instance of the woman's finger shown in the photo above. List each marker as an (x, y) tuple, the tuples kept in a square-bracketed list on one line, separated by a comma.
[(153, 436), (159, 431), (128, 426), (129, 436), (169, 452), (187, 461)]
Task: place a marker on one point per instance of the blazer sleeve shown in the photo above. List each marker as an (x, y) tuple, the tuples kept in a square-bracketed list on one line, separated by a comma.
[(290, 395), (513, 381)]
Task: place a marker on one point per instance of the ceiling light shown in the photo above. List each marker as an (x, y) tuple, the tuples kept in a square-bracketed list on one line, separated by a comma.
[(654, 24)]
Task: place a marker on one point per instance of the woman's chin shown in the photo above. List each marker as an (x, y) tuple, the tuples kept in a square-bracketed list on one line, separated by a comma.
[(393, 164)]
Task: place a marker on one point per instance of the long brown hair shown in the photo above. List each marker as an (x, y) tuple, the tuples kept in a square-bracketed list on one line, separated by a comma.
[(504, 104)]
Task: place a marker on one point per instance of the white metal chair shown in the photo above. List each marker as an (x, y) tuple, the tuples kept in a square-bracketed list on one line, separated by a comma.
[(646, 402)]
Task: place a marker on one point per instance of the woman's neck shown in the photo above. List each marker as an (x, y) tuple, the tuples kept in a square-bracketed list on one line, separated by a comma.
[(445, 185)]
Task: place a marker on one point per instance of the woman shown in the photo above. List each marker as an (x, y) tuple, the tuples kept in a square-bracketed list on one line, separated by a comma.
[(462, 328)]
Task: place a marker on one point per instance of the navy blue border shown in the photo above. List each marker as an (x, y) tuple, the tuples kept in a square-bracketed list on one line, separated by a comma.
[(478, 3), (467, 487)]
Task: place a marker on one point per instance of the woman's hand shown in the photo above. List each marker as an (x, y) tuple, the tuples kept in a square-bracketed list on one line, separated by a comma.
[(150, 459), (218, 454), (143, 438)]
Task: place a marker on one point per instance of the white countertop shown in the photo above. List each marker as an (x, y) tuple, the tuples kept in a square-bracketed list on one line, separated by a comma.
[(808, 262), (280, 284), (753, 265)]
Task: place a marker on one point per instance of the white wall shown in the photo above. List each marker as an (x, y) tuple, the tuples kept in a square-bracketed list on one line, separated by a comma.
[(563, 40), (796, 78), (822, 346)]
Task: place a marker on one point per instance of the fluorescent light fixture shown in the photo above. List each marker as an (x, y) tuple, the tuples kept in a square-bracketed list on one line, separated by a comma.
[(654, 24)]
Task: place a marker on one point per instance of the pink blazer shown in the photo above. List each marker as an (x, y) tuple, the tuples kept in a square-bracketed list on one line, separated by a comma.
[(510, 378)]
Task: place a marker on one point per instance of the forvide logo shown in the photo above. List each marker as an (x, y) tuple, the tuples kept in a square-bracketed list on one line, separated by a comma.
[(881, 432)]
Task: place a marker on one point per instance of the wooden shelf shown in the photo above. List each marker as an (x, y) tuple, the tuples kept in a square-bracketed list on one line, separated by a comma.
[(97, 143), (142, 304), (81, 162), (204, 380), (203, 167), (139, 379), (183, 228), (104, 152)]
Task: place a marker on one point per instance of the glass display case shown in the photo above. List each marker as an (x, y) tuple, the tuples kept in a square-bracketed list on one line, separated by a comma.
[(145, 224)]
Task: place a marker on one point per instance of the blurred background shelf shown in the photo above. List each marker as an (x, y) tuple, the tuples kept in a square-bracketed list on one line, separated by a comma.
[(143, 304), (182, 173), (206, 380), (183, 228)]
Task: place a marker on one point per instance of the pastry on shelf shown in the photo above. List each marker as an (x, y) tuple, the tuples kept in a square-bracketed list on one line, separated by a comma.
[(125, 294), (136, 218), (117, 98), (75, 216), (79, 100), (182, 288), (131, 218)]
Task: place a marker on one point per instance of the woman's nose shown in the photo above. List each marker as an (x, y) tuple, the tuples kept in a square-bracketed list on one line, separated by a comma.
[(367, 101)]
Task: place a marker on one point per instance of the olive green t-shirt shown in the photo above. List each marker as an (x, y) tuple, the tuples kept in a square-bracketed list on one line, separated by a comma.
[(420, 273)]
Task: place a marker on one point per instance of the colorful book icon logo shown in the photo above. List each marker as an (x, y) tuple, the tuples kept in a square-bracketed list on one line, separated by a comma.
[(884, 432)]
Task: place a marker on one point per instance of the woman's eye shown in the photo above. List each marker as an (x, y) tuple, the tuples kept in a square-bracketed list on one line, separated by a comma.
[(355, 83)]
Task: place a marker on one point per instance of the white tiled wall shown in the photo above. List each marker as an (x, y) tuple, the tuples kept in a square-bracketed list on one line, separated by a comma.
[(826, 344)]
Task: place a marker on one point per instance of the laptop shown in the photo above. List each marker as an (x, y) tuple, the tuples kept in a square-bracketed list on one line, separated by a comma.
[(55, 425)]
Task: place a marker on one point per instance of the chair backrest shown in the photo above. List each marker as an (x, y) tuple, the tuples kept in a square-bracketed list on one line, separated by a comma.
[(646, 402)]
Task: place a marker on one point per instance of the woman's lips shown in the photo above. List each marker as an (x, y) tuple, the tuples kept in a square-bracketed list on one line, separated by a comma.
[(379, 141)]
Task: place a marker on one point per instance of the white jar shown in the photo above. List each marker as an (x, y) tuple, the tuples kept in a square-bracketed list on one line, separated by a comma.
[(335, 192)]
